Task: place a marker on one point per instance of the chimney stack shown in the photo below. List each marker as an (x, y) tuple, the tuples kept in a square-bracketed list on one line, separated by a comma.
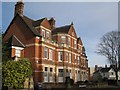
[(52, 23), (105, 66), (19, 8)]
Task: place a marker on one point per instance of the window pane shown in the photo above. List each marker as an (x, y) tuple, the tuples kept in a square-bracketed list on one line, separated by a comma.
[(75, 44), (46, 52), (43, 33), (17, 52), (66, 56), (47, 35), (60, 73), (63, 38), (50, 54), (46, 68), (70, 57), (69, 41), (60, 56)]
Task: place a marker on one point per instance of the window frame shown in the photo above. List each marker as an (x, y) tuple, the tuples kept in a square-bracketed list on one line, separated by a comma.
[(50, 54), (63, 39), (60, 56), (45, 52)]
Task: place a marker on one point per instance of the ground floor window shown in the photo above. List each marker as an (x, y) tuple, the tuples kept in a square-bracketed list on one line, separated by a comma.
[(46, 74), (60, 75)]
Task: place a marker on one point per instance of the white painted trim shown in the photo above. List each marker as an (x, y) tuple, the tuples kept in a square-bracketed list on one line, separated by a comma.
[(19, 40), (32, 44), (37, 37), (45, 28), (20, 48), (65, 35), (68, 51)]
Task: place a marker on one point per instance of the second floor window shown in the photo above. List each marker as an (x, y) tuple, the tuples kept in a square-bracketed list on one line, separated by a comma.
[(78, 60), (69, 41), (47, 35), (60, 56), (50, 54), (45, 52), (63, 39), (43, 33), (75, 44), (75, 59)]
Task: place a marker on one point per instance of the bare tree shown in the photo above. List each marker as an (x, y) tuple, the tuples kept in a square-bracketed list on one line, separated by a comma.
[(109, 47)]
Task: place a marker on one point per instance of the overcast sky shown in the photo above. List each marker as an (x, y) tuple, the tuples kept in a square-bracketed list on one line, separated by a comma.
[(91, 20)]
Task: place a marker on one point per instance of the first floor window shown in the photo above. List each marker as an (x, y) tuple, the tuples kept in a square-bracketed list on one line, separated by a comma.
[(50, 54), (17, 52), (67, 56), (45, 52), (78, 59), (70, 58), (75, 59), (60, 56)]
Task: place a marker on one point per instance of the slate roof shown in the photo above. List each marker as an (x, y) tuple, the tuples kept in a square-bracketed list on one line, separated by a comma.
[(79, 39), (62, 29), (29, 22), (14, 41), (105, 69), (37, 22)]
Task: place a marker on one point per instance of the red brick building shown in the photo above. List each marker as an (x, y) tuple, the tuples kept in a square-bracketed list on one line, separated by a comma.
[(55, 52)]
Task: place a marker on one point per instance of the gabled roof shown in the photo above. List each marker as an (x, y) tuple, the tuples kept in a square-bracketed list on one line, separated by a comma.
[(14, 41), (79, 40), (105, 69), (38, 22), (27, 21), (62, 29)]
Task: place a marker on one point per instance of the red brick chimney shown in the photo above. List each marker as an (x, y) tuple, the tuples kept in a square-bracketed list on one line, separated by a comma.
[(19, 8), (52, 23)]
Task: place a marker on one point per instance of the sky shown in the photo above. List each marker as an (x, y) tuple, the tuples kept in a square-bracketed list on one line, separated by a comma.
[(91, 20)]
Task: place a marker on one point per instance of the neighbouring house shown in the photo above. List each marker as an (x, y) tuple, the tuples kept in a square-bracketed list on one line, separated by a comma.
[(107, 73), (55, 52), (91, 71)]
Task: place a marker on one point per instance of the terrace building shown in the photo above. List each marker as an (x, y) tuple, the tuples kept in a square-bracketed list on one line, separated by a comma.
[(55, 52)]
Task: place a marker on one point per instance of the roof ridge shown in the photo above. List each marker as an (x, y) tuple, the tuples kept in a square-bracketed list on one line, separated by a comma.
[(62, 26)]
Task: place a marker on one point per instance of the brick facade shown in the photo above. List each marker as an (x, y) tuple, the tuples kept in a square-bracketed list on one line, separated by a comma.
[(44, 48)]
